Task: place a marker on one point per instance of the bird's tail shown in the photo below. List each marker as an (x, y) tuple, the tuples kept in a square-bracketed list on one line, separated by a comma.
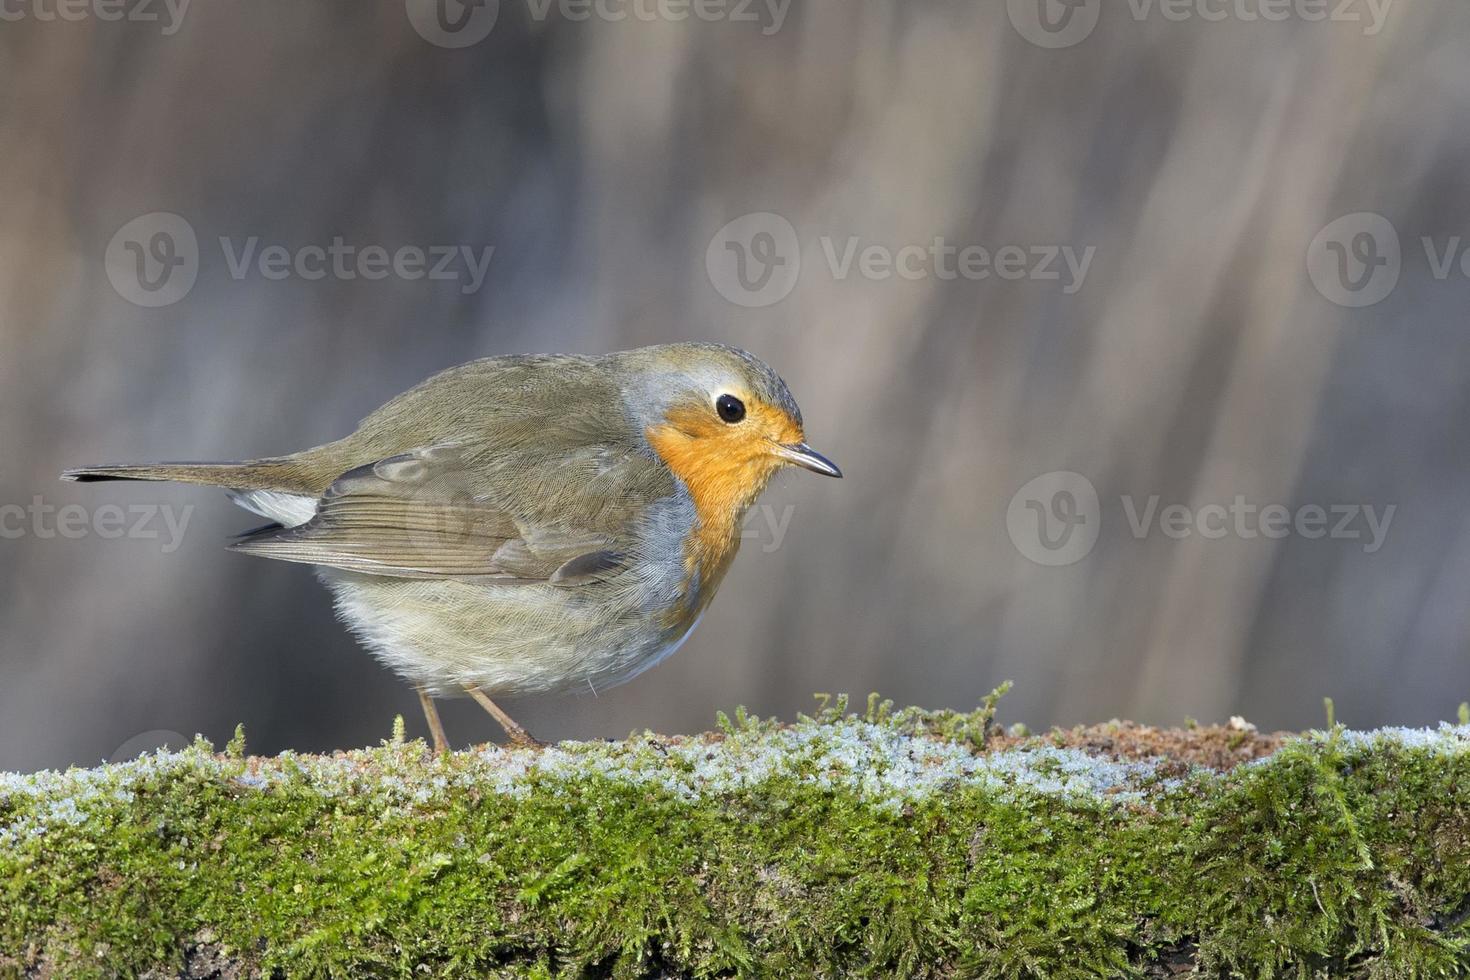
[(262, 474)]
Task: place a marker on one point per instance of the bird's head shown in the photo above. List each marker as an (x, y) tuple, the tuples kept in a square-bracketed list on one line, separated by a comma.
[(723, 422)]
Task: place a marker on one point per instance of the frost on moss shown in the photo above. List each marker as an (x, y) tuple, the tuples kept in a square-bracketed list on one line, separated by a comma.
[(882, 844)]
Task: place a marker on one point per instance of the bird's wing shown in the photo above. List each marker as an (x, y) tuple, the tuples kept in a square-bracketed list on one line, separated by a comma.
[(564, 516)]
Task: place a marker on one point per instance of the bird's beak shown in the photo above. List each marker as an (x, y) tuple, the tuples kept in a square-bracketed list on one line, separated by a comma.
[(800, 454)]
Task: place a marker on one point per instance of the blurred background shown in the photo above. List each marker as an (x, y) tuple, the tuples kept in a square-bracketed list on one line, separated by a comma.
[(1200, 260)]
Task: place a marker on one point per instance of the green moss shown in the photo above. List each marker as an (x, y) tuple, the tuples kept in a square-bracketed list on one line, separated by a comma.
[(891, 843)]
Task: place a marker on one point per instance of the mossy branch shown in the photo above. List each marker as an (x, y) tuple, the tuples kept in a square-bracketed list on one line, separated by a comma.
[(888, 842)]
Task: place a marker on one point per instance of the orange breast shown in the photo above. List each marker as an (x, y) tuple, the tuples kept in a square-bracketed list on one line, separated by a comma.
[(720, 491), (724, 468)]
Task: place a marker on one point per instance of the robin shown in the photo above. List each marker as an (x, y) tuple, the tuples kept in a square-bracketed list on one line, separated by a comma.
[(526, 524)]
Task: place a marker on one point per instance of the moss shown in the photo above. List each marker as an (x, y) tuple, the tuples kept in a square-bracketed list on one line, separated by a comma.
[(887, 843)]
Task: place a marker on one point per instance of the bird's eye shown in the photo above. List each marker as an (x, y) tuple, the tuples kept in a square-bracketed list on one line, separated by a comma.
[(731, 409)]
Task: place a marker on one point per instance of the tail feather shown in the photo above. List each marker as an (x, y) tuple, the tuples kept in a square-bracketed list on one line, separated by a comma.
[(254, 475)]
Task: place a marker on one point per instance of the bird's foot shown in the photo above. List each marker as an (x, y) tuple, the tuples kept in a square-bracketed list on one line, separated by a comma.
[(523, 739), (519, 737)]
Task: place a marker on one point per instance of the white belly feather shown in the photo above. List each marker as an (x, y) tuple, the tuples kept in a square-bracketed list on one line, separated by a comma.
[(286, 509)]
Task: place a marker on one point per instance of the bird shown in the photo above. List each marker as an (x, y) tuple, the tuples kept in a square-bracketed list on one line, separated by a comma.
[(526, 524)]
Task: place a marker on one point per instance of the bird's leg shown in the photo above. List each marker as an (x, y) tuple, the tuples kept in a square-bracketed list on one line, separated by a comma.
[(436, 727), (517, 735)]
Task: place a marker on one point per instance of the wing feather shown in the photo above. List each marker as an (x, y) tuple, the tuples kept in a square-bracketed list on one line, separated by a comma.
[(564, 518)]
